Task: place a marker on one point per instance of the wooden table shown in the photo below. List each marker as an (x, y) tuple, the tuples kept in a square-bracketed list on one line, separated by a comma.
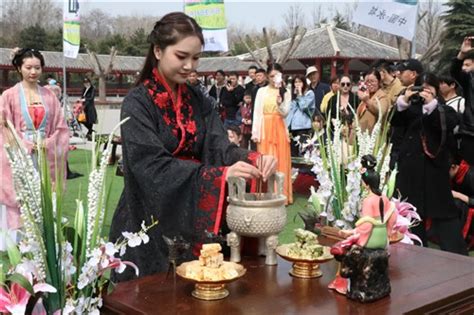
[(423, 281)]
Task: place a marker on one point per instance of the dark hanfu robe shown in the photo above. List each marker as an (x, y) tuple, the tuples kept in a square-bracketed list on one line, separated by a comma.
[(174, 157)]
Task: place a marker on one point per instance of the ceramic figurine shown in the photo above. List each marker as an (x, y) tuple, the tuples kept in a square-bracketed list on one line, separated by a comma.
[(363, 255)]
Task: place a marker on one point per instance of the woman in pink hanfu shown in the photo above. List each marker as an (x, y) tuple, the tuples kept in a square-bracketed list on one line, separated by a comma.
[(376, 223), (36, 114)]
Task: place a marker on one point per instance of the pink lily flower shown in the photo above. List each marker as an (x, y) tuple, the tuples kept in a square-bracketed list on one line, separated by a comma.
[(15, 301)]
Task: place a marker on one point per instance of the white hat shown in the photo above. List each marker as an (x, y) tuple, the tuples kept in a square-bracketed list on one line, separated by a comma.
[(311, 70)]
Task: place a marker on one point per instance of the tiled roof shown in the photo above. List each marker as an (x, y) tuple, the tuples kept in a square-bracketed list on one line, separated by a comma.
[(322, 42), (317, 43), (54, 60)]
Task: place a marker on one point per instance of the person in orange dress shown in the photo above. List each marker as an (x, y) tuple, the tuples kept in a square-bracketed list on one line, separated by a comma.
[(269, 130)]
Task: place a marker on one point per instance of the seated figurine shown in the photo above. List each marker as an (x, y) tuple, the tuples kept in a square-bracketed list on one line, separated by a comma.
[(363, 255)]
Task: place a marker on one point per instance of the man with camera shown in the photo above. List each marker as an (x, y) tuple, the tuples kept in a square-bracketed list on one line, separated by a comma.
[(410, 72), (232, 96), (426, 127), (462, 69)]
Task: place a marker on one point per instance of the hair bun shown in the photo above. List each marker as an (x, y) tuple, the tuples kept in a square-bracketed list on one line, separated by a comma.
[(14, 51), (369, 162)]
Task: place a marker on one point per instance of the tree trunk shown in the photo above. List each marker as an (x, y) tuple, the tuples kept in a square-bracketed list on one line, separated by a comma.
[(102, 88)]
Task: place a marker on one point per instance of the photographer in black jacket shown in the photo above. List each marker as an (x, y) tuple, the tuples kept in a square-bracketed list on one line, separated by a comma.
[(423, 162), (410, 73), (462, 69)]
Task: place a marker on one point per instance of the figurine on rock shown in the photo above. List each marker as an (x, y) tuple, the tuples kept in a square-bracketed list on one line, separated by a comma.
[(363, 254)]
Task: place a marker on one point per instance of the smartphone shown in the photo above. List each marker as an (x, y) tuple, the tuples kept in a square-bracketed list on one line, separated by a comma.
[(278, 79)]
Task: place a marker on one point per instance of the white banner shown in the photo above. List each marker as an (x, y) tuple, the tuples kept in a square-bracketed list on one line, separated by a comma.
[(71, 28), (396, 17), (215, 40), (210, 15)]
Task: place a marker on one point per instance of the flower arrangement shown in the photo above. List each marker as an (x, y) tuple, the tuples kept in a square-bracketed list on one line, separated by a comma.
[(57, 268), (336, 155), (336, 158)]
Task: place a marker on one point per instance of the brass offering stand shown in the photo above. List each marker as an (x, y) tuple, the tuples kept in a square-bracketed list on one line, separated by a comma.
[(210, 290), (303, 268)]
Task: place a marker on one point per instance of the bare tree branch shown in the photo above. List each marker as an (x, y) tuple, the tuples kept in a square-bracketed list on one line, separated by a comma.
[(268, 43), (113, 53), (250, 50), (294, 43)]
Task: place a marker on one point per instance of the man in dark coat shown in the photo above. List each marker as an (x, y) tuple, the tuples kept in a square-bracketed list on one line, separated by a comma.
[(410, 73), (231, 97), (319, 88), (260, 81), (423, 177), (216, 92), (252, 71), (462, 69)]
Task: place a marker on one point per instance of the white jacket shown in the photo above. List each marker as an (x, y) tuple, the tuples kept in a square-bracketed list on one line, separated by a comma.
[(257, 125)]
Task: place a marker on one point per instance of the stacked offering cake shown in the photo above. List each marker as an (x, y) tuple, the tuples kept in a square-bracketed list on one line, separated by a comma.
[(306, 246), (211, 265)]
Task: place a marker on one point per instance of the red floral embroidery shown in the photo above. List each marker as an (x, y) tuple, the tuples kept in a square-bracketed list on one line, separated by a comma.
[(176, 115), (162, 99)]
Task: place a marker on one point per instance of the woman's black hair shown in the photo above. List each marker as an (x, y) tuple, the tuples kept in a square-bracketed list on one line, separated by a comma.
[(432, 80), (21, 54), (221, 72), (376, 73), (305, 85), (279, 68), (372, 179), (168, 31), (335, 79), (274, 66)]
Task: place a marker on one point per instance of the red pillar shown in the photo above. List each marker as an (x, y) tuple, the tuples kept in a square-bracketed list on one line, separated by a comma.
[(317, 64), (4, 83), (346, 66), (333, 67)]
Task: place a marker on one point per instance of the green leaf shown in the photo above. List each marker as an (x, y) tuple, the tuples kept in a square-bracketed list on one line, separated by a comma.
[(14, 254), (391, 183), (2, 275), (22, 281), (111, 287)]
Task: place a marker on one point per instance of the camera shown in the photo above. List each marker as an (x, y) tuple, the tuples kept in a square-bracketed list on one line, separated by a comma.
[(416, 88), (417, 98)]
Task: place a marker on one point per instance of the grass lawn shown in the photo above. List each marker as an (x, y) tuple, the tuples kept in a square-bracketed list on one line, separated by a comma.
[(79, 161)]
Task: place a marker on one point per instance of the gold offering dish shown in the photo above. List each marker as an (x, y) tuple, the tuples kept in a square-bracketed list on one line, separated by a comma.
[(304, 268), (210, 290)]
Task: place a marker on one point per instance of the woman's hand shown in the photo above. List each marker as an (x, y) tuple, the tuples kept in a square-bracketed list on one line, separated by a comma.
[(460, 196), (408, 94), (427, 95), (363, 95), (268, 166), (244, 170), (279, 100)]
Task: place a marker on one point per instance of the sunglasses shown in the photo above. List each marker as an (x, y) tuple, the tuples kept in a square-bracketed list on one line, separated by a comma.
[(345, 84)]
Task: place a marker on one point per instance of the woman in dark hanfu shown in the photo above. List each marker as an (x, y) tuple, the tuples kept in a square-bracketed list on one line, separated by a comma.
[(176, 153)]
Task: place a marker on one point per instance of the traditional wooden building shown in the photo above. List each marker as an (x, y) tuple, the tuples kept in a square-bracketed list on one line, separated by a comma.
[(332, 50)]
